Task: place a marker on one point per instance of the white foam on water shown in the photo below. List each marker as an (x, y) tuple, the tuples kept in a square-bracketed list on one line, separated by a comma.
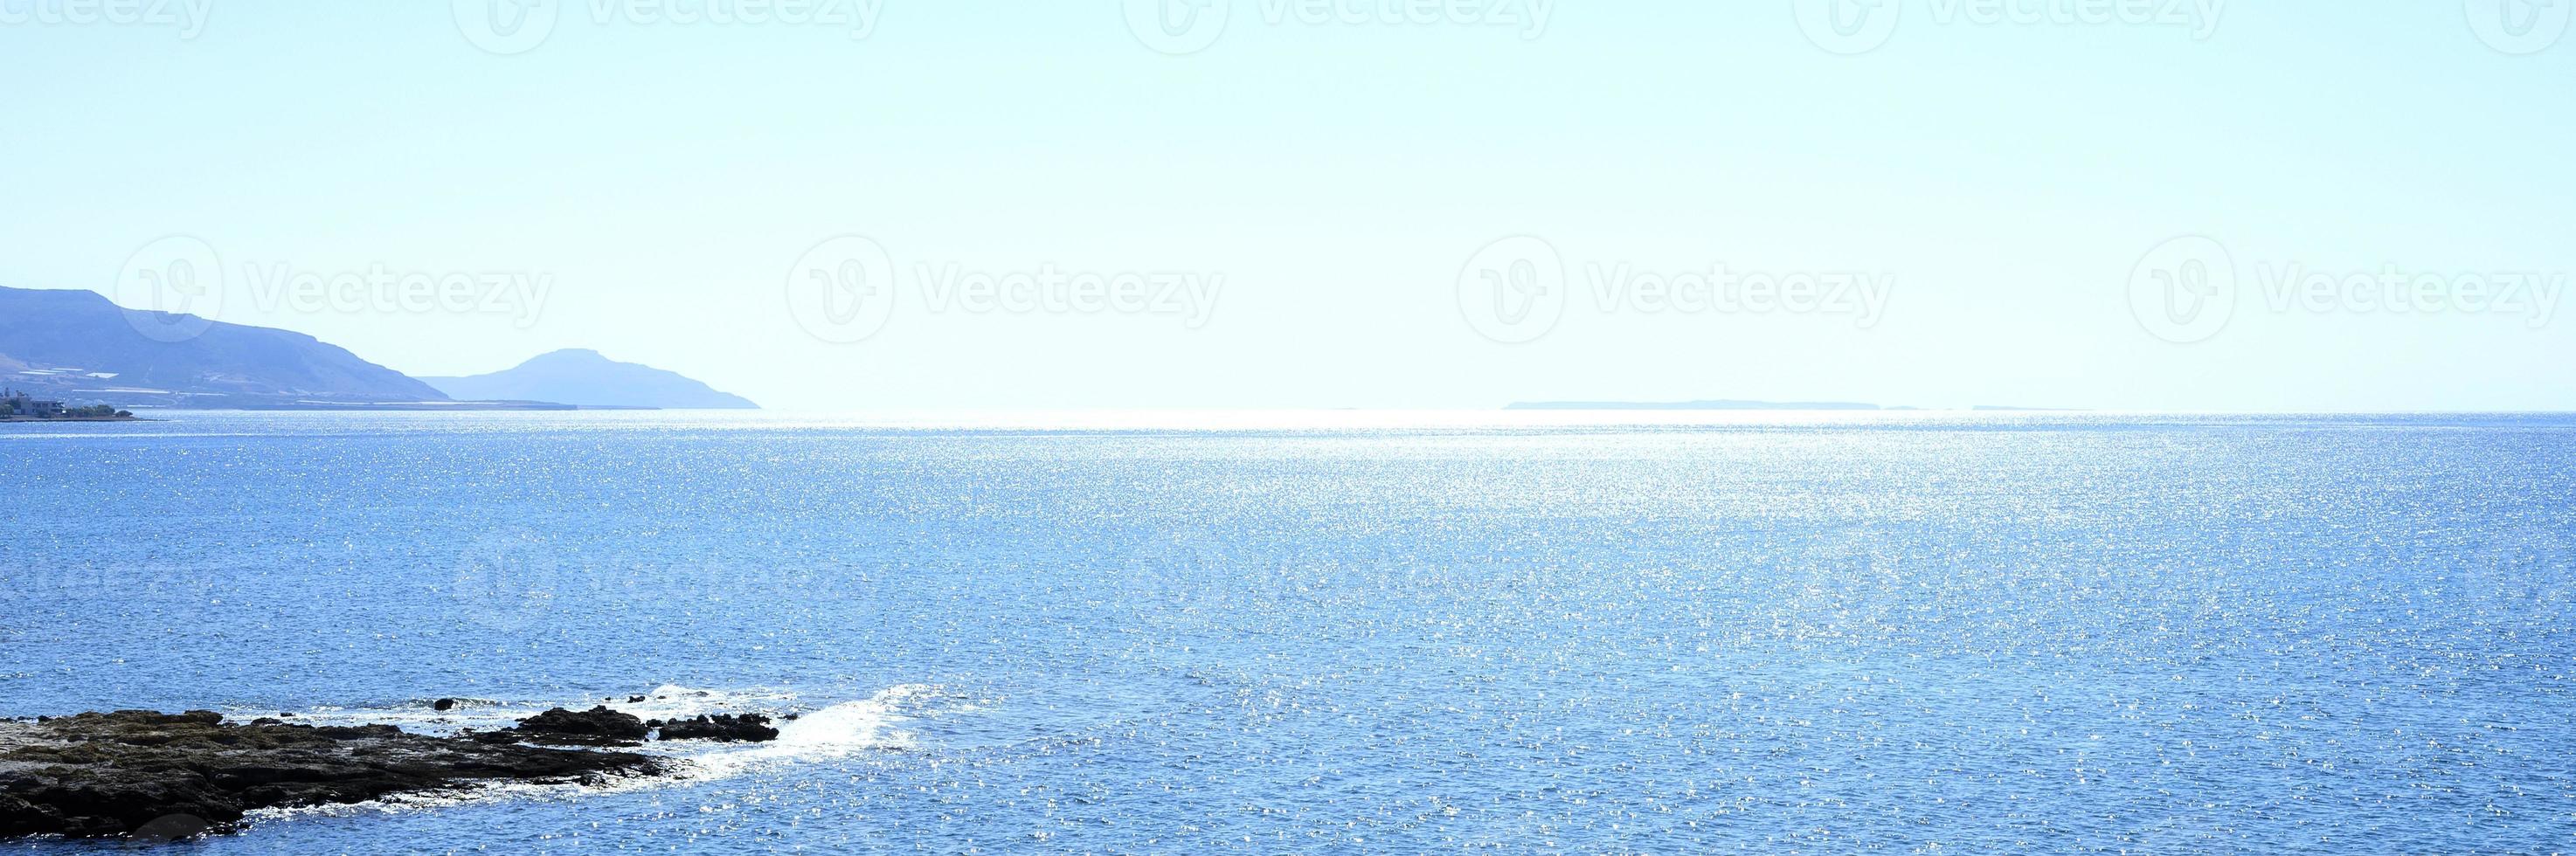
[(836, 731), (672, 701), (666, 702), (869, 725), (417, 716), (472, 792)]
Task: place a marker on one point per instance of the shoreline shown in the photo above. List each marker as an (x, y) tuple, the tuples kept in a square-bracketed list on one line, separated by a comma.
[(16, 419), (151, 776)]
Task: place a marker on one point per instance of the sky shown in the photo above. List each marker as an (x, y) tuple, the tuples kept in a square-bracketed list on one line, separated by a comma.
[(881, 204)]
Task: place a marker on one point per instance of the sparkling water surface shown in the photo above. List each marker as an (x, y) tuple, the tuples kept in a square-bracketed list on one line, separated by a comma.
[(1670, 633)]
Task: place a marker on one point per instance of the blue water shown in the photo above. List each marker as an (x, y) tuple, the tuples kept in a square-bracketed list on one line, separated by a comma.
[(1762, 634)]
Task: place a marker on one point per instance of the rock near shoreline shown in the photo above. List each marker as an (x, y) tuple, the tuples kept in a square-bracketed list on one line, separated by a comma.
[(747, 728), (156, 775), (597, 726)]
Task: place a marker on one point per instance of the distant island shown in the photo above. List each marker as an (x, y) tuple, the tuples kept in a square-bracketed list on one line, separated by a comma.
[(1720, 404), (80, 351), (585, 378), (1734, 404)]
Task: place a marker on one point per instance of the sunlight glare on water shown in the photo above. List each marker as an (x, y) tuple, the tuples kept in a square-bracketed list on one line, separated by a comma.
[(1662, 632)]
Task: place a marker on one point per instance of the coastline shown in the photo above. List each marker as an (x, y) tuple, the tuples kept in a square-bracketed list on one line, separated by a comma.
[(76, 419), (147, 775)]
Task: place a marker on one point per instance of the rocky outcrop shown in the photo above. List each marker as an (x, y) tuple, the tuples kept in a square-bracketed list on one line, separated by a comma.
[(156, 776), (597, 726), (749, 727)]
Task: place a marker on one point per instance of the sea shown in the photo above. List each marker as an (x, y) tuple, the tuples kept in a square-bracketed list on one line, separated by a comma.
[(1349, 631)]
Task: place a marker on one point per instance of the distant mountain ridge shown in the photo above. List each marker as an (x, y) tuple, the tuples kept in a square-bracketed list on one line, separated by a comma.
[(78, 345), (584, 377)]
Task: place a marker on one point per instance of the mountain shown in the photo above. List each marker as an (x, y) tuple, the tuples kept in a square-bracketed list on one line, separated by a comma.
[(79, 346), (583, 377)]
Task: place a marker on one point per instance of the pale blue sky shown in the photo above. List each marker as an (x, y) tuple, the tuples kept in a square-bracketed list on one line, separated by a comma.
[(2006, 179)]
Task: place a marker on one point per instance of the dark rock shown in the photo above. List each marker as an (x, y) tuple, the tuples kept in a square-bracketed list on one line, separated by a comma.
[(749, 727), (160, 777), (597, 726), (170, 827), (634, 699), (444, 704)]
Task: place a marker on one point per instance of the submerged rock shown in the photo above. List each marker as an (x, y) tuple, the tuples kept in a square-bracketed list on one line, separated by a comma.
[(597, 726), (749, 727), (159, 776)]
